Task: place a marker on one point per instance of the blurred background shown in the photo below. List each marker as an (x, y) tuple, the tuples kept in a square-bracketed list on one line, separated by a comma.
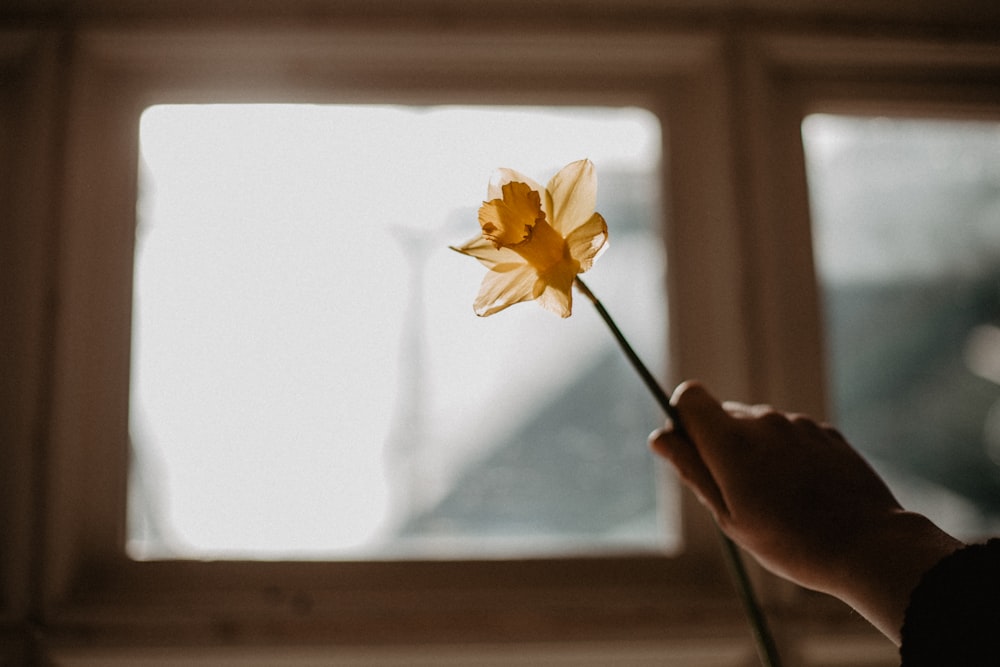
[(249, 416)]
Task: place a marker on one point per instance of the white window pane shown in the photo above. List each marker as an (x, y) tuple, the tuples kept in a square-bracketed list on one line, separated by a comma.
[(309, 379), (907, 232)]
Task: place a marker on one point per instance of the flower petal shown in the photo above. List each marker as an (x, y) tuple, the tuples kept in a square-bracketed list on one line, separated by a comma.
[(555, 292), (588, 241), (574, 196), (503, 176), (500, 289), (487, 253)]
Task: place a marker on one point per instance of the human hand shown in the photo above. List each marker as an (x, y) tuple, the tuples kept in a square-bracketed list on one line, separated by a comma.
[(796, 495)]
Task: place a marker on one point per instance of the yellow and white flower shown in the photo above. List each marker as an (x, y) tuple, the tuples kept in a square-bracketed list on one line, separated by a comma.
[(536, 240)]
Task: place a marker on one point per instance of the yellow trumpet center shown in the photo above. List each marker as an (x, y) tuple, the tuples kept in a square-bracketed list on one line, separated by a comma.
[(517, 221)]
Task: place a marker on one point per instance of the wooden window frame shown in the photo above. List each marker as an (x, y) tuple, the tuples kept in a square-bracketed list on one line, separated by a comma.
[(89, 581), (743, 306)]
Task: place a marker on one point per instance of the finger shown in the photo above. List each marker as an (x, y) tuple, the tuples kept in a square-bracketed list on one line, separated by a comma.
[(744, 411), (692, 470), (706, 422), (819, 430), (833, 432)]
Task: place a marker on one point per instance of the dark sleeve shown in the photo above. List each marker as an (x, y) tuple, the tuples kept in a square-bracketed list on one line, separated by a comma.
[(954, 613)]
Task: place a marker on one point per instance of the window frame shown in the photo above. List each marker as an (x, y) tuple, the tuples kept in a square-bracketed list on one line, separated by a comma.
[(29, 85), (892, 78), (784, 79), (88, 579), (744, 315)]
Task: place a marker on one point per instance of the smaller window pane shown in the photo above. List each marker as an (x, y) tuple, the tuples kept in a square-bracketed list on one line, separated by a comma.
[(906, 217), (309, 379)]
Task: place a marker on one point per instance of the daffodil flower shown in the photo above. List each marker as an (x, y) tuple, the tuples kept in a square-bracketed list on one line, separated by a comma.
[(536, 240)]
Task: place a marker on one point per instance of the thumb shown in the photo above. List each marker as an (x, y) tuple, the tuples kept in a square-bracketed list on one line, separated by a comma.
[(683, 455)]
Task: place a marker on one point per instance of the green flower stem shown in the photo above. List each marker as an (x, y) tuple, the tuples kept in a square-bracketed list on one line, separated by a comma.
[(766, 648)]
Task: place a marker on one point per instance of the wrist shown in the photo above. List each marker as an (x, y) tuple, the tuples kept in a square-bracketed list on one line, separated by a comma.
[(885, 561)]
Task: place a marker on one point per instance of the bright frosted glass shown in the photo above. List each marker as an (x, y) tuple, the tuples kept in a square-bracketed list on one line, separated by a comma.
[(309, 379)]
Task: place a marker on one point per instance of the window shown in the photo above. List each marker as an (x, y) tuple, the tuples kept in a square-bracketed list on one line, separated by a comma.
[(308, 378), (105, 563), (907, 236), (87, 579)]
